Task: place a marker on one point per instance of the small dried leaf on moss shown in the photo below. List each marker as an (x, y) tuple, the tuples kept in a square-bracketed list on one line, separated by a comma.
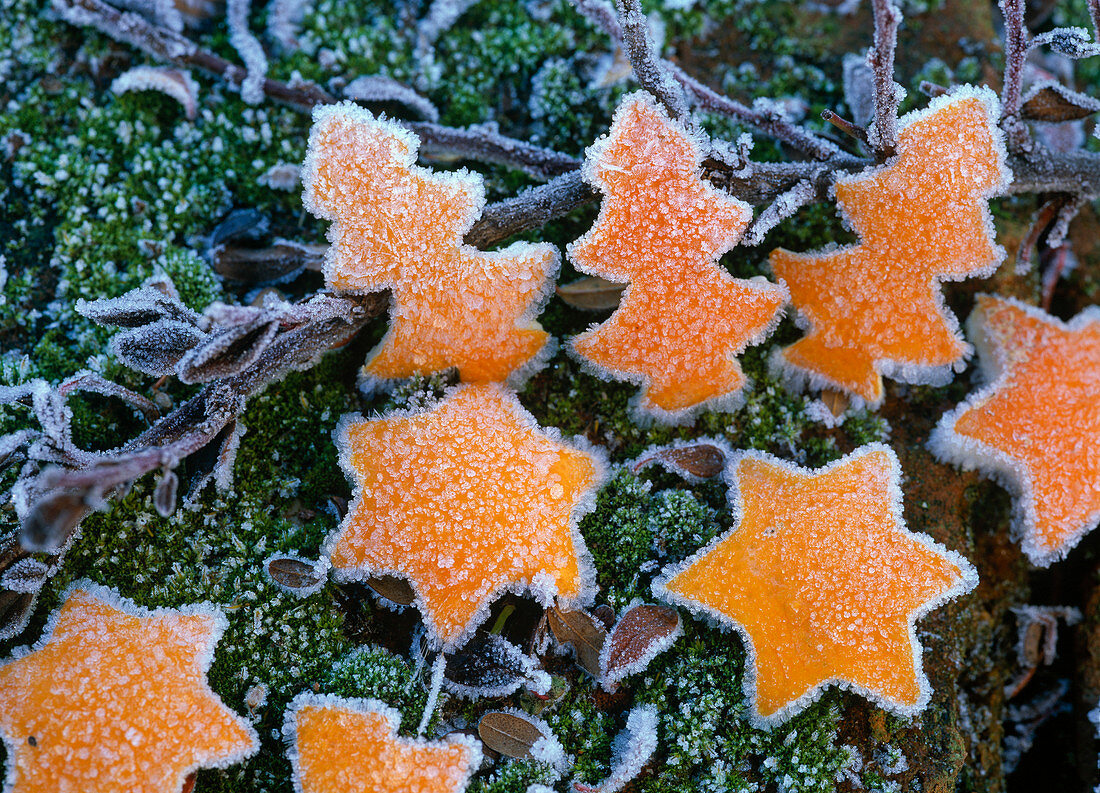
[(510, 734), (581, 630), (592, 293)]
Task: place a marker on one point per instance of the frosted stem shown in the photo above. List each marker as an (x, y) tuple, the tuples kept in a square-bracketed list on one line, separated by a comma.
[(433, 692), (1016, 47), (888, 94)]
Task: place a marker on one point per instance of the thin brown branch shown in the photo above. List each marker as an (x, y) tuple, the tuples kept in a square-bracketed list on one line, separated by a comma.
[(648, 66), (884, 126), (1094, 15), (166, 45), (1016, 46), (846, 126)]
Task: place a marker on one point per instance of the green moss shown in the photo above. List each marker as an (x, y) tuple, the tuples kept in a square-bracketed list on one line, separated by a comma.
[(374, 673)]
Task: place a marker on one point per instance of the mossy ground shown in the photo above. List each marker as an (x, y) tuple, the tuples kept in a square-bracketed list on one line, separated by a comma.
[(98, 192)]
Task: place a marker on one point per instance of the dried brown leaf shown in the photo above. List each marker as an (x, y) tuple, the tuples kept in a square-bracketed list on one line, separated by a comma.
[(392, 588), (643, 632), (228, 351), (155, 349), (294, 573), (487, 666), (592, 294), (15, 612), (836, 401), (277, 263), (508, 733), (1053, 102), (581, 630), (692, 461)]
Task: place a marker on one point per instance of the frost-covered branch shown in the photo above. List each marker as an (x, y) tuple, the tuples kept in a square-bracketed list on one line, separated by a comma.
[(888, 94), (640, 50), (1016, 47)]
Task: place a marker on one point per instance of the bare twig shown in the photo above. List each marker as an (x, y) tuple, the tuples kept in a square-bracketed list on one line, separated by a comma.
[(846, 126), (884, 130), (779, 210), (1016, 46), (531, 209), (648, 67), (1043, 218), (929, 88), (1094, 14)]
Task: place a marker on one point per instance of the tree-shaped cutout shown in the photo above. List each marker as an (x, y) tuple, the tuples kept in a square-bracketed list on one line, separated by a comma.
[(876, 308), (400, 227), (661, 229)]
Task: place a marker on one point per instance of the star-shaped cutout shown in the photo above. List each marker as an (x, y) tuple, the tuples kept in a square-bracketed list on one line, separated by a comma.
[(114, 697), (682, 319), (876, 308), (400, 227), (1035, 427), (466, 500), (822, 580), (342, 745)]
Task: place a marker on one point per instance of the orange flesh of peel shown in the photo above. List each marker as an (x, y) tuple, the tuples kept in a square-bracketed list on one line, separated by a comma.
[(113, 701), (662, 228), (340, 749), (819, 576), (464, 500), (399, 226), (921, 218)]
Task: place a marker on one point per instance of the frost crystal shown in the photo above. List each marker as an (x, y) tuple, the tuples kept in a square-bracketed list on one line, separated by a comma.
[(875, 308), (1035, 427), (338, 745), (822, 580), (175, 83), (400, 227), (114, 697), (466, 500), (661, 228)]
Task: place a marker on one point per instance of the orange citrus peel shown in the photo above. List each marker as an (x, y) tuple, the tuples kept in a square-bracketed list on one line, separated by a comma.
[(339, 745), (400, 227), (114, 697), (822, 580), (466, 500), (661, 228), (1035, 426), (876, 308)]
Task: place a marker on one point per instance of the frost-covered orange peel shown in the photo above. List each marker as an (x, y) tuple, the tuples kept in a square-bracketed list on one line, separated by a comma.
[(114, 697), (339, 745), (876, 308), (822, 580), (466, 500), (661, 228), (400, 227), (1035, 426)]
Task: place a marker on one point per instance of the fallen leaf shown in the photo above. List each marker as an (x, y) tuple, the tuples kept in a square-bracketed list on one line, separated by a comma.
[(392, 588), (592, 293), (643, 633), (693, 461), (510, 734), (487, 666), (581, 630), (293, 573)]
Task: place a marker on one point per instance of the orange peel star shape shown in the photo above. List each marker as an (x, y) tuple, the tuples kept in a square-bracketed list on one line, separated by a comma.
[(876, 308), (682, 319), (1035, 426), (340, 745), (822, 580), (466, 500), (114, 697), (400, 227)]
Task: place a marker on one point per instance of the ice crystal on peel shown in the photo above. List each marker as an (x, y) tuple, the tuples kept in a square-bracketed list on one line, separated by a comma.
[(1035, 426), (338, 745), (822, 580), (400, 227), (114, 697), (875, 308), (466, 500), (662, 228)]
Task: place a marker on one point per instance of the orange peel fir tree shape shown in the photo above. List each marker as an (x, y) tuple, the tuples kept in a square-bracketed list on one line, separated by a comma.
[(875, 308), (1035, 427), (661, 228), (114, 697), (400, 227), (339, 745), (822, 580), (466, 500)]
